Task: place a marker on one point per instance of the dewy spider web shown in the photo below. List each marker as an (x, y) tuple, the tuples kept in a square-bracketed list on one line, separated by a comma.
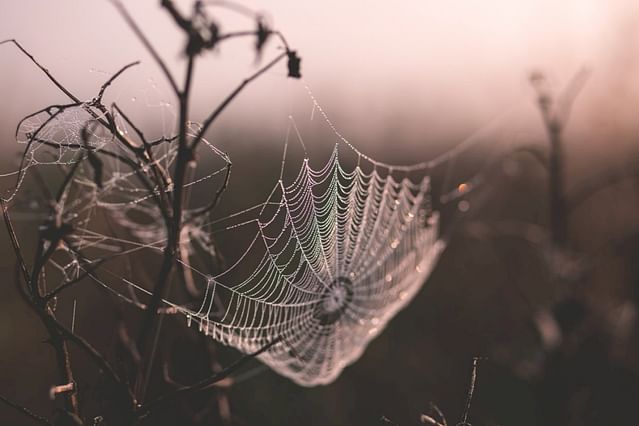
[(341, 252), (335, 254)]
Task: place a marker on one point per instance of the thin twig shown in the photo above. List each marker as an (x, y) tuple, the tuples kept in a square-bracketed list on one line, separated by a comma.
[(218, 194), (469, 394), (97, 358), (74, 281), (41, 420), (151, 321), (98, 99), (205, 383), (43, 69), (14, 242), (211, 118), (147, 44)]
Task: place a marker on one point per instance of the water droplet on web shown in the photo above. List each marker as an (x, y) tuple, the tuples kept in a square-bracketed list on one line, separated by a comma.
[(133, 99)]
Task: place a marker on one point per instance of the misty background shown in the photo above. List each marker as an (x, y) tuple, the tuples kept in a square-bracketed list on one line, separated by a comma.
[(412, 73)]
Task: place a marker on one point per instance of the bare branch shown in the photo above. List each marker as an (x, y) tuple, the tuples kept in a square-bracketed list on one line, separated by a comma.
[(206, 383), (211, 118), (218, 195), (41, 420), (98, 99), (469, 395), (147, 44), (87, 273), (43, 69), (14, 242)]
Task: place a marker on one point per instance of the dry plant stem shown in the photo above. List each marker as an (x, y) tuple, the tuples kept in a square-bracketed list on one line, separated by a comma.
[(555, 115), (110, 125), (211, 118), (98, 359), (151, 322), (184, 265), (159, 173), (469, 395), (148, 185), (155, 179), (426, 419), (170, 251), (205, 383), (147, 44), (58, 333), (43, 69), (218, 195), (98, 99), (87, 273), (28, 413), (40, 307), (185, 155), (558, 219)]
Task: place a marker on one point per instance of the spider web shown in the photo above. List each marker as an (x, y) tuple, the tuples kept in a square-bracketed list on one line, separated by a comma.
[(340, 252), (335, 252)]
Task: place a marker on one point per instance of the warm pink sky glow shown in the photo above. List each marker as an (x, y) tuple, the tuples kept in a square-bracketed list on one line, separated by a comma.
[(416, 70)]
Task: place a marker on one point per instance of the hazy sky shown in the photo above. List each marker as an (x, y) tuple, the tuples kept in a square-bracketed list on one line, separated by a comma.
[(416, 70)]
